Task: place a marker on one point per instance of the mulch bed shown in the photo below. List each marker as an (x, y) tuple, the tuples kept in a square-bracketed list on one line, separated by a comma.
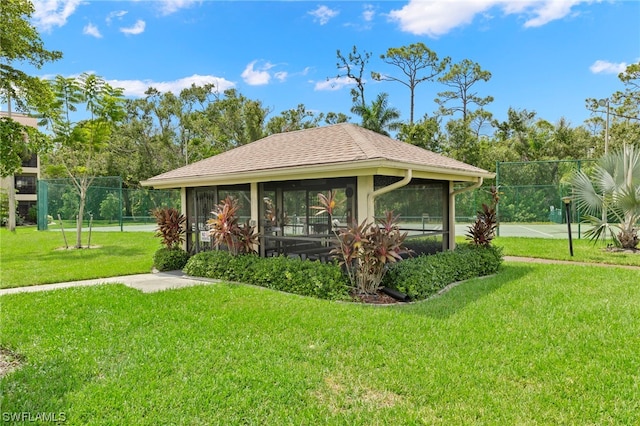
[(379, 298)]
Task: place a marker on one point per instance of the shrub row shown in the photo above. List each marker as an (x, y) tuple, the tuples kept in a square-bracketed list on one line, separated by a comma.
[(423, 276), (170, 259), (325, 281)]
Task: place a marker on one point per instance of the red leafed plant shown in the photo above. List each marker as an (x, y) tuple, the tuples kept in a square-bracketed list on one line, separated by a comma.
[(366, 250), (226, 231), (483, 229), (170, 226)]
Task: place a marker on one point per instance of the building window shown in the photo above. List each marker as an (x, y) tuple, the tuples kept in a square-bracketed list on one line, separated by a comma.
[(26, 184), (30, 162), (26, 210)]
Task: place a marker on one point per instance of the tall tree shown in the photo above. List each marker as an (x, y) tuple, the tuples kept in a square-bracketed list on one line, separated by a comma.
[(79, 145), (621, 109), (462, 78), (412, 60), (378, 116), (353, 67), (20, 43)]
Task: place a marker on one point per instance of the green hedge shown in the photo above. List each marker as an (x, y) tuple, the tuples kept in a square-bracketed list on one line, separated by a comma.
[(423, 276), (170, 259), (325, 281)]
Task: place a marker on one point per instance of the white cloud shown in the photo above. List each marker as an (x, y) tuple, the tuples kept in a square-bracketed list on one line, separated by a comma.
[(137, 28), (259, 76), (606, 67), (115, 14), (369, 13), (136, 88), (281, 76), (53, 13), (333, 84), (550, 11), (439, 17), (167, 7), (323, 14), (305, 71), (91, 30)]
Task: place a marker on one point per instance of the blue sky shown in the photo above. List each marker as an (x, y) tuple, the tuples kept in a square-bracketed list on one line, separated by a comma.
[(545, 56)]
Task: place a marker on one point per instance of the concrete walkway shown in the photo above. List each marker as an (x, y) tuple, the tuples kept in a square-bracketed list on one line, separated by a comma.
[(146, 283)]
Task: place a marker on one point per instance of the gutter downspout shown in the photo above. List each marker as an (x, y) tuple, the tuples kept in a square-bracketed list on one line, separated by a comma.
[(452, 209), (372, 195), (467, 188)]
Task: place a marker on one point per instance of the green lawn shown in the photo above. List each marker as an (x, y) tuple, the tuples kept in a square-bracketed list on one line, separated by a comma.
[(29, 257), (546, 248), (535, 344)]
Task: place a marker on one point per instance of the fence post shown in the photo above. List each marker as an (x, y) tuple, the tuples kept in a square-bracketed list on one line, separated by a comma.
[(498, 204), (43, 205), (120, 206)]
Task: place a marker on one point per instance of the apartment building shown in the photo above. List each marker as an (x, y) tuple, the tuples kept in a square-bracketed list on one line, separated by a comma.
[(26, 182)]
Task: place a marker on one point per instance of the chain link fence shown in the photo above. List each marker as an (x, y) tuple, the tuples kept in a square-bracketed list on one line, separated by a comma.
[(107, 204)]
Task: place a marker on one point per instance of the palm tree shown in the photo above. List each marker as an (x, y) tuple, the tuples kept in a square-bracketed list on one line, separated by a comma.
[(614, 190), (378, 116)]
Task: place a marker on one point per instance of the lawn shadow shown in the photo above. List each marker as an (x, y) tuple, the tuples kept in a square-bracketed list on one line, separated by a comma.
[(457, 296)]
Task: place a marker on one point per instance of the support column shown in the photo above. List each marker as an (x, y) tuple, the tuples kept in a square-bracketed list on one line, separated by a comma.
[(255, 206), (365, 208), (183, 200), (451, 219)]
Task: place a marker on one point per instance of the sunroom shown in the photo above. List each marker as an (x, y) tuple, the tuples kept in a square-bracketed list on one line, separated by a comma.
[(277, 181)]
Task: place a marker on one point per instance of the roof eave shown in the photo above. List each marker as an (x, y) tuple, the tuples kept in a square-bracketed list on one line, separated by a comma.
[(354, 168)]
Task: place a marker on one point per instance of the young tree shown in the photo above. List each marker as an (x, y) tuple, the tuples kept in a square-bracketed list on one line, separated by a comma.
[(20, 43), (79, 145), (378, 116), (412, 60)]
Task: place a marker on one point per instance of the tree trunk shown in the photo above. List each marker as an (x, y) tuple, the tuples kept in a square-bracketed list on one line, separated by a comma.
[(11, 193), (11, 190), (83, 196)]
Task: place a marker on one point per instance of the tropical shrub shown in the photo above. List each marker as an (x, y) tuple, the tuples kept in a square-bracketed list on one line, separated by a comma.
[(303, 277), (483, 229), (170, 259), (423, 276), (227, 232), (365, 250), (170, 226), (613, 190)]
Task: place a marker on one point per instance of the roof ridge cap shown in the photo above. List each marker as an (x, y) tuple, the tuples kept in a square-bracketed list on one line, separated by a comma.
[(354, 131)]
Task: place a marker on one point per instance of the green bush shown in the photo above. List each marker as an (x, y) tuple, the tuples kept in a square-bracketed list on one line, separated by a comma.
[(422, 276), (173, 259), (324, 281)]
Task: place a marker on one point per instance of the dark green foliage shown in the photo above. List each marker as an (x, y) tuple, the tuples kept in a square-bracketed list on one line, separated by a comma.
[(324, 281), (170, 259), (423, 276)]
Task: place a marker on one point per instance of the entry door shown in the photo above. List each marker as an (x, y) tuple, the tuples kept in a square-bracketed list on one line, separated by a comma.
[(205, 200)]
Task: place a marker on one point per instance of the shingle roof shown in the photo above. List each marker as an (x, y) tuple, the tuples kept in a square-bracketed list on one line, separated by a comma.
[(328, 145)]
